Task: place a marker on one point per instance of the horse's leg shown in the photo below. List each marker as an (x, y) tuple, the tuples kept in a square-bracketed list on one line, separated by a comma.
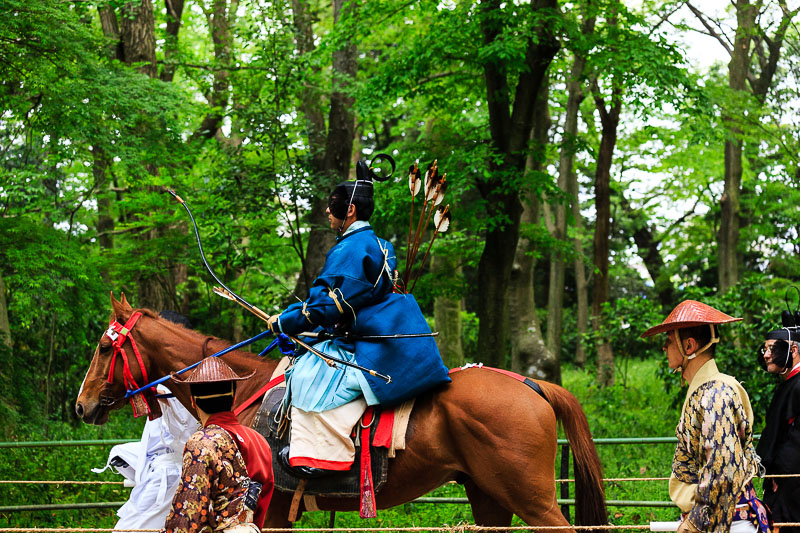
[(278, 512), (507, 446), (485, 509)]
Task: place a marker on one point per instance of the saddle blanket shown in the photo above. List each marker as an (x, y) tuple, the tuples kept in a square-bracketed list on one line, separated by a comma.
[(387, 435)]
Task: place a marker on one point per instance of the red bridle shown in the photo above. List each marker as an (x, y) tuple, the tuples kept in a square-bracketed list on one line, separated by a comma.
[(118, 335)]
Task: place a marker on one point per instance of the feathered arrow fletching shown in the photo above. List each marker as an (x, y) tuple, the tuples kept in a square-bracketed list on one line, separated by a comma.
[(414, 179), (439, 196), (441, 219), (431, 180), (219, 291)]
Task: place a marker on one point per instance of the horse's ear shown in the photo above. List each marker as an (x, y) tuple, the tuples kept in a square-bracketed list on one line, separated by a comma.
[(121, 310)]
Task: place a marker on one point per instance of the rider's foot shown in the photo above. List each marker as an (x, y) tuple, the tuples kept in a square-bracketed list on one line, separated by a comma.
[(307, 472)]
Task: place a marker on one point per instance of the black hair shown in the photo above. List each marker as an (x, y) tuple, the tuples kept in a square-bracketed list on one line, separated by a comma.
[(341, 195), (701, 335), (217, 404)]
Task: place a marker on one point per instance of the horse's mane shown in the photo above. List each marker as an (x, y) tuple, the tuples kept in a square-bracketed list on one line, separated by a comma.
[(197, 336)]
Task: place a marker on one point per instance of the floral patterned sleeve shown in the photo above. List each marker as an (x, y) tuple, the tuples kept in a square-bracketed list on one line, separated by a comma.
[(213, 483), (711, 453)]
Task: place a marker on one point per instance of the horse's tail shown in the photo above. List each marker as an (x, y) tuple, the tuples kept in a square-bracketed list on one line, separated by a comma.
[(590, 503)]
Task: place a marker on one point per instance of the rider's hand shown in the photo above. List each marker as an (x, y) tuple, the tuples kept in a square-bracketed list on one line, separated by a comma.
[(272, 324)]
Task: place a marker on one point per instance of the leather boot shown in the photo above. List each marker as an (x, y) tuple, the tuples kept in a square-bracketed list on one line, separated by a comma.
[(306, 472)]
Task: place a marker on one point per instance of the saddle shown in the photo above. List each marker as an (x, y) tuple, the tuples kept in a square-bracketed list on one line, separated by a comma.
[(269, 422), (385, 429)]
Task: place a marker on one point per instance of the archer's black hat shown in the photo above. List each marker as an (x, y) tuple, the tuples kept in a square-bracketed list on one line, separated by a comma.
[(359, 191)]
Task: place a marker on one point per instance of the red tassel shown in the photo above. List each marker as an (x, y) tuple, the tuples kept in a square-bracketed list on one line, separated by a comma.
[(367, 508)]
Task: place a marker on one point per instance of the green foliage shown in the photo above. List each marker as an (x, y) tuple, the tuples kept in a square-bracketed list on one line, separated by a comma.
[(87, 140), (50, 283)]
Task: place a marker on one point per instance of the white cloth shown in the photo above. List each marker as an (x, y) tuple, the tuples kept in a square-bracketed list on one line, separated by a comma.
[(322, 440), (743, 526), (154, 467)]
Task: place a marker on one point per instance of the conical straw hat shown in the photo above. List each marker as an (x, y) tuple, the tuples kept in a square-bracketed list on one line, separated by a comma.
[(210, 370), (690, 313)]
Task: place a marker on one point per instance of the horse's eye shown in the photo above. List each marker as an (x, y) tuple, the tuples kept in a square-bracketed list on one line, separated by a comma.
[(105, 347)]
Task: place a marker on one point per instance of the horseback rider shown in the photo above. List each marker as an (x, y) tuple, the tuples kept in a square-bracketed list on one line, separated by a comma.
[(355, 294), (714, 460), (226, 483)]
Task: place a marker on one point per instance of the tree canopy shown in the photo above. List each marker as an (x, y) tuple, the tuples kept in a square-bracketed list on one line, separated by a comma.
[(600, 169)]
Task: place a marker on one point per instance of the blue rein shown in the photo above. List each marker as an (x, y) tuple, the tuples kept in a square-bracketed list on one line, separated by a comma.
[(282, 341)]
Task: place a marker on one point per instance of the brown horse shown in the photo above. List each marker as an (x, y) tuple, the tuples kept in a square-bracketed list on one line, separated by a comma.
[(487, 430)]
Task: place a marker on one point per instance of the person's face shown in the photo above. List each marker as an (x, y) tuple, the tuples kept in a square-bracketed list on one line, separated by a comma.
[(338, 204), (674, 357), (773, 368), (336, 223)]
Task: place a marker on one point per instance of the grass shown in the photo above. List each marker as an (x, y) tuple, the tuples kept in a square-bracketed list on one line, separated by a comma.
[(640, 408)]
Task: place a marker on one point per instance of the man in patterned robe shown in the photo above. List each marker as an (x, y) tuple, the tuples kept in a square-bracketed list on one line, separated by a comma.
[(223, 462), (714, 459)]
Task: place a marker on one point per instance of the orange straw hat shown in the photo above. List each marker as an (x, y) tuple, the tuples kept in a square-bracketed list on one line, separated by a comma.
[(210, 370), (690, 313)]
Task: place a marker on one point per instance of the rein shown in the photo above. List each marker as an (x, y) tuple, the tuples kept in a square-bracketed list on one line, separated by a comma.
[(118, 335)]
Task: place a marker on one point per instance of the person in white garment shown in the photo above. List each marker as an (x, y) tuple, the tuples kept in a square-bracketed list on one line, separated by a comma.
[(152, 466)]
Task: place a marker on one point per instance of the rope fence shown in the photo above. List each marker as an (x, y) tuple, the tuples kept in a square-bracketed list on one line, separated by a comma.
[(565, 502), (455, 528), (568, 480)]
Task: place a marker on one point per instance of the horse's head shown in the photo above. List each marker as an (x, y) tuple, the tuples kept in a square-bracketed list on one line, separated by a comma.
[(115, 366)]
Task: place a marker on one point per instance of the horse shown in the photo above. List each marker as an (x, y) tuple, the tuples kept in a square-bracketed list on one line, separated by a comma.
[(486, 430)]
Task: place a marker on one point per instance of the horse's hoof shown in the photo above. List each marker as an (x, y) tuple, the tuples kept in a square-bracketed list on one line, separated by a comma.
[(305, 472)]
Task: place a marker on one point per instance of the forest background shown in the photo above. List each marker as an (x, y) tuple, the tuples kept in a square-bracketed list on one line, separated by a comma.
[(599, 170)]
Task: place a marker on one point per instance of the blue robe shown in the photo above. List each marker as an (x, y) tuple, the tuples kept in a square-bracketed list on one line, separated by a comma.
[(355, 291)]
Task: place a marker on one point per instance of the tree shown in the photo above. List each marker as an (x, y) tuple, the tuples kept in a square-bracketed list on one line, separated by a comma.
[(510, 123), (750, 44), (567, 182), (331, 147), (529, 353)]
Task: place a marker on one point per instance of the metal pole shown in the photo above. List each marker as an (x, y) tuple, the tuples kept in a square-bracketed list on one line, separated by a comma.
[(55, 443), (565, 475), (60, 506)]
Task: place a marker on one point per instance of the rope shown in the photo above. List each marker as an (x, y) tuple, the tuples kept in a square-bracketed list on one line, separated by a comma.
[(615, 479), (456, 528), (54, 482), (567, 480)]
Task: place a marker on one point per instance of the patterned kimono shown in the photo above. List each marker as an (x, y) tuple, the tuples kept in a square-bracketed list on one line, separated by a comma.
[(214, 479), (714, 459)]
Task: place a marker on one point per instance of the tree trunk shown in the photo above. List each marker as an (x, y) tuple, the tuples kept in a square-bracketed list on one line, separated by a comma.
[(529, 354), (171, 53), (738, 69), (108, 23), (137, 31), (447, 317), (510, 128), (647, 249), (50, 356), (330, 153), (602, 183), (105, 219), (5, 326), (555, 298), (568, 181), (100, 161), (581, 285)]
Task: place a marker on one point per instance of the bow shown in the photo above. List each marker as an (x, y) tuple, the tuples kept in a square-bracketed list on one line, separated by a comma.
[(226, 292)]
